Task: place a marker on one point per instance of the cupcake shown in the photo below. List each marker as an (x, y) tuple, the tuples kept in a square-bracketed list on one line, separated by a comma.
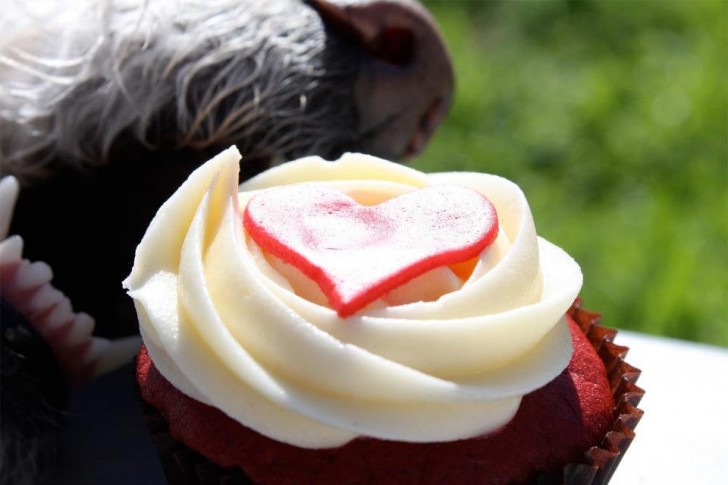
[(358, 321)]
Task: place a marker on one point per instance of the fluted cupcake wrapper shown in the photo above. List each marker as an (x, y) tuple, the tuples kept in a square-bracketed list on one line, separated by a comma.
[(181, 464), (601, 461)]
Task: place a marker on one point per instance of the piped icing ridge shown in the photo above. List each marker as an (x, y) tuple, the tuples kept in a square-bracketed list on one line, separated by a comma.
[(226, 327)]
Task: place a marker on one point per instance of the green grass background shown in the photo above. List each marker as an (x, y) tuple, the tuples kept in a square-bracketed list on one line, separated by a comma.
[(613, 118)]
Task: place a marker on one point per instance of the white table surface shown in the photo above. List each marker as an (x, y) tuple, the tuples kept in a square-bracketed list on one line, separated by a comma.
[(681, 439), (683, 436)]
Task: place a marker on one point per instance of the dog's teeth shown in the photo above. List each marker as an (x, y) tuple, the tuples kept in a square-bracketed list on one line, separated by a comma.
[(109, 355), (80, 330), (97, 348), (34, 275), (43, 299), (8, 196), (61, 314), (11, 250)]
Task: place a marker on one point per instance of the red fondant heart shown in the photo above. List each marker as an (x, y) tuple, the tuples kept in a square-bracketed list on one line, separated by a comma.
[(358, 253)]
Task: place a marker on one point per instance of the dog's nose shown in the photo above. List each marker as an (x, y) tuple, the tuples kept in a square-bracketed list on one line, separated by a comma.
[(406, 82)]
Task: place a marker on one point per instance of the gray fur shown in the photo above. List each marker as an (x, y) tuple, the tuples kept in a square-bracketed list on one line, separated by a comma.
[(229, 71)]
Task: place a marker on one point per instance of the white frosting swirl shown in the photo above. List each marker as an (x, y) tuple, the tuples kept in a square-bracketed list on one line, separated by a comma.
[(226, 328)]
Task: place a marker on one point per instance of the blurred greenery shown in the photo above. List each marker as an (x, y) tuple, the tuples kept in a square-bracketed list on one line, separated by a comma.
[(613, 118)]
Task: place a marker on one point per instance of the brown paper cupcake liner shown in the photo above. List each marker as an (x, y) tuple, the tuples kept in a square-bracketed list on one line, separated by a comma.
[(601, 461), (185, 466)]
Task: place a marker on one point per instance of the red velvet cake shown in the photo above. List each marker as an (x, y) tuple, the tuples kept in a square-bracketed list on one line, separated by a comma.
[(361, 322), (554, 428)]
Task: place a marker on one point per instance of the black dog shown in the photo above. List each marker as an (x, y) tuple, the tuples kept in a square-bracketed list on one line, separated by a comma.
[(105, 109)]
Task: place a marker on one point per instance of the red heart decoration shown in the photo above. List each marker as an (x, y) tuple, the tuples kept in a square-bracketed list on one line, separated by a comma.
[(358, 253)]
